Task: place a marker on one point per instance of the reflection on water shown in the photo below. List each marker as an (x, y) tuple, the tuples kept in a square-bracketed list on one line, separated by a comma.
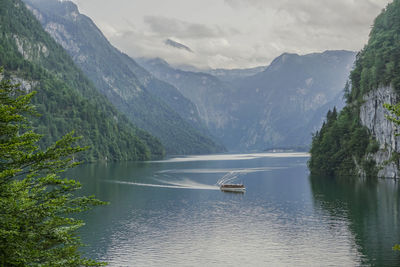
[(371, 209), (285, 218), (220, 157), (237, 170)]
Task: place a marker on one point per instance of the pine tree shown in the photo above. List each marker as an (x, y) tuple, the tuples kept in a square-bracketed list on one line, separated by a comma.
[(36, 228)]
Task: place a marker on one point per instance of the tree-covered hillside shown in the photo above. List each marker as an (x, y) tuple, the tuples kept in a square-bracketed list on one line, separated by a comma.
[(151, 104), (378, 64), (66, 99), (343, 146)]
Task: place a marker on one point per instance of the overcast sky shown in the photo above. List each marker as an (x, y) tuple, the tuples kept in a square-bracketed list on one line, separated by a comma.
[(232, 33)]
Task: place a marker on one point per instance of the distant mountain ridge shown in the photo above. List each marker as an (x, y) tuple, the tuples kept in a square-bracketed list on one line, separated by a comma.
[(279, 105), (293, 94), (275, 106), (151, 104), (232, 75)]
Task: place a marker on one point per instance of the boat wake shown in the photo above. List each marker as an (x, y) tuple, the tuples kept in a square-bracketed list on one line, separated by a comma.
[(184, 184), (229, 177), (236, 173)]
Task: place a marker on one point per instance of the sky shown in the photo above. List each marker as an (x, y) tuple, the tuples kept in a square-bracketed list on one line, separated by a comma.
[(232, 33)]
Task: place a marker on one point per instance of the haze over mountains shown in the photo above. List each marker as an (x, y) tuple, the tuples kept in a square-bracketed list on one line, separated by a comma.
[(201, 111), (277, 106)]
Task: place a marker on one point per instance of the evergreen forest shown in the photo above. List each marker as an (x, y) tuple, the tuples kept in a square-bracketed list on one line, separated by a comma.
[(66, 100), (343, 143)]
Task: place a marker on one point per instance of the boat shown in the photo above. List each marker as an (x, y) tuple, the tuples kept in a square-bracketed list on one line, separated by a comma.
[(239, 188)]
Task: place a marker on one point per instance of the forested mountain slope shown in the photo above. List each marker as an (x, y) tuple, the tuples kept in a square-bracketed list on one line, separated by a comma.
[(149, 103), (360, 140), (66, 99)]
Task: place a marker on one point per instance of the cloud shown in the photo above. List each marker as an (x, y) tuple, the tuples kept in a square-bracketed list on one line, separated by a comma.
[(302, 25), (177, 45), (181, 29), (319, 13), (233, 33)]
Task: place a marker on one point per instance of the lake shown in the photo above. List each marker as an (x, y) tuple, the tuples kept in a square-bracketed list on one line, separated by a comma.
[(172, 213)]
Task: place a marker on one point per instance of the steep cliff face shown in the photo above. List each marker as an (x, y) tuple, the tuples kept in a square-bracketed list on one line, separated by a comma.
[(373, 116)]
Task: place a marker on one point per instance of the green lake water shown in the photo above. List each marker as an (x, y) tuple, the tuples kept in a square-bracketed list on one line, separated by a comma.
[(172, 213)]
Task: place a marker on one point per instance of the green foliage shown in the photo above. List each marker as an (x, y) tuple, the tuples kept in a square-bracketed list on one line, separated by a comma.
[(341, 144), (66, 99), (394, 116), (378, 64), (373, 146), (35, 203), (395, 113)]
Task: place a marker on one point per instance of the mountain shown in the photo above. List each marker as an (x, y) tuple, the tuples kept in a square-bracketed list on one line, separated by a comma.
[(66, 99), (210, 95), (149, 103), (361, 140), (232, 75), (279, 106), (287, 97)]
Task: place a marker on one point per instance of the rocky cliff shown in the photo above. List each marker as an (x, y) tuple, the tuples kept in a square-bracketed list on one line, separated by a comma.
[(361, 140), (373, 116)]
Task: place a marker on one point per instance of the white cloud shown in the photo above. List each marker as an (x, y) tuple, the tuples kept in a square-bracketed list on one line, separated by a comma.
[(233, 33), (182, 29)]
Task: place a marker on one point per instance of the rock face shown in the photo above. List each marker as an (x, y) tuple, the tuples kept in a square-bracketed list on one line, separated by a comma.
[(373, 116)]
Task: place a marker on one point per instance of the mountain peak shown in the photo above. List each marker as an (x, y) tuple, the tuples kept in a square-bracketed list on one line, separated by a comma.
[(60, 7), (282, 59), (158, 60)]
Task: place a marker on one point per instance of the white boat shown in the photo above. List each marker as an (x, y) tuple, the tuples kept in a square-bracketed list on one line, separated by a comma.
[(239, 188)]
